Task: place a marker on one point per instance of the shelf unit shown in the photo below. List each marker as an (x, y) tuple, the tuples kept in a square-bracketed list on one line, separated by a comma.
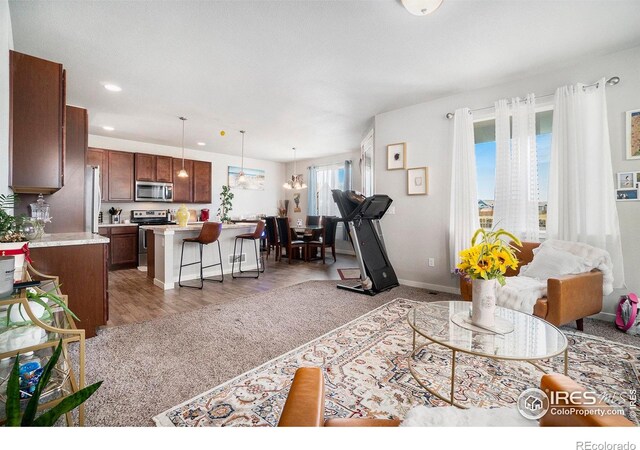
[(42, 337)]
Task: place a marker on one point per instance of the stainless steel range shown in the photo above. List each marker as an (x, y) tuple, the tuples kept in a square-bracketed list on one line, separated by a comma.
[(148, 217)]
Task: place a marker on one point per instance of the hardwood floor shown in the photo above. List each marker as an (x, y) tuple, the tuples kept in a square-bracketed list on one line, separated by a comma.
[(134, 298)]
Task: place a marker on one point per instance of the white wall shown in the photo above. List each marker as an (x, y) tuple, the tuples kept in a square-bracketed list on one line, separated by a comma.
[(245, 202), (6, 44), (419, 229)]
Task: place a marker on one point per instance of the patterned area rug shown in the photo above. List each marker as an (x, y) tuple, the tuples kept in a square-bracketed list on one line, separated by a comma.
[(366, 374)]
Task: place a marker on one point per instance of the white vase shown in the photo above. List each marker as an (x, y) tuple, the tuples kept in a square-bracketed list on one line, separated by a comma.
[(19, 314), (484, 302), (15, 249)]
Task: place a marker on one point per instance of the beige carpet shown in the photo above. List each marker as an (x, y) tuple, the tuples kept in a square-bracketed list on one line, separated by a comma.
[(150, 367)]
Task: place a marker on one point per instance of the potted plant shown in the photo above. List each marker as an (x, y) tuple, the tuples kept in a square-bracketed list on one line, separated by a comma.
[(225, 204), (13, 241), (16, 418), (486, 262)]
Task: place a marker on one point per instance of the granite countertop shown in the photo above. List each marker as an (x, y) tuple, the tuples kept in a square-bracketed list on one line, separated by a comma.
[(192, 226), (66, 239), (100, 225)]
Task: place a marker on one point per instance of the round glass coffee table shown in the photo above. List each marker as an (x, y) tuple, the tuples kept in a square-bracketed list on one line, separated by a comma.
[(531, 340)]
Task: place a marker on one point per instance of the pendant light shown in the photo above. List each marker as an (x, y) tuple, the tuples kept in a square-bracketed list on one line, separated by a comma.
[(183, 173), (296, 180), (242, 180)]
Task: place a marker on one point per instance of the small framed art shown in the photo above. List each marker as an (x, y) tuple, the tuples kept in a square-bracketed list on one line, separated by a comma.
[(397, 156), (626, 194), (633, 134), (418, 181)]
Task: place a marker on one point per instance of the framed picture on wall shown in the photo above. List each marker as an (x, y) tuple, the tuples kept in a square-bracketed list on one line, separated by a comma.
[(418, 181), (254, 178), (633, 134), (626, 194), (626, 180), (397, 156)]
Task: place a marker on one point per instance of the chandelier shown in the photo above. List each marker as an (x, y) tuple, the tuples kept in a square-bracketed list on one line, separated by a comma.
[(296, 181)]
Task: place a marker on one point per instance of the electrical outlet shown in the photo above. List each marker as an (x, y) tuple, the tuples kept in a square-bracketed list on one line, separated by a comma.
[(432, 262)]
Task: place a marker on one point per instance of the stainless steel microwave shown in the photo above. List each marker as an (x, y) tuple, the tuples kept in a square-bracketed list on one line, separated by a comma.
[(149, 191)]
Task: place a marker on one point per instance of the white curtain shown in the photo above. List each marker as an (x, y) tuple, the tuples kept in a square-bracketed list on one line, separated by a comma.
[(329, 177), (463, 218), (516, 190), (582, 204)]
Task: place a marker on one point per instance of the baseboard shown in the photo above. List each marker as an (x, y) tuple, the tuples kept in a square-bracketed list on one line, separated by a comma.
[(434, 287), (607, 317)]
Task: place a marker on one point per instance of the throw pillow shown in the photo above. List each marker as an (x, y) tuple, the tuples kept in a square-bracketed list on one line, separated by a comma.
[(549, 262)]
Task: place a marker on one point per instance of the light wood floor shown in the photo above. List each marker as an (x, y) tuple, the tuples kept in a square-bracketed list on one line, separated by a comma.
[(134, 298)]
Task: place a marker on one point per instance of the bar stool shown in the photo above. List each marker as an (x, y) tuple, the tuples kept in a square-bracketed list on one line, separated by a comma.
[(255, 236), (209, 234)]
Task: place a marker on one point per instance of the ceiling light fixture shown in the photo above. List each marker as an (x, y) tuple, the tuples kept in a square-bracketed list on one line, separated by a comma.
[(421, 7), (112, 87), (201, 144), (296, 181), (242, 180), (108, 128), (183, 173)]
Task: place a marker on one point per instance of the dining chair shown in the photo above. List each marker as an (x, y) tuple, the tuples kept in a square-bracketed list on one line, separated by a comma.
[(288, 239), (272, 236), (327, 239), (313, 220)]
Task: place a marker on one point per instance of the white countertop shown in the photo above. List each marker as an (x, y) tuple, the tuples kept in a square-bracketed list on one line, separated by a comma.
[(100, 225), (66, 239), (193, 226)]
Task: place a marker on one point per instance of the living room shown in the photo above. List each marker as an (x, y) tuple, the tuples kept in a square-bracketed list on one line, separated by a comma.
[(411, 103)]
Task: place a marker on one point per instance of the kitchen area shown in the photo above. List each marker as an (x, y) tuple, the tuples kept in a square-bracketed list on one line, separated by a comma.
[(51, 159)]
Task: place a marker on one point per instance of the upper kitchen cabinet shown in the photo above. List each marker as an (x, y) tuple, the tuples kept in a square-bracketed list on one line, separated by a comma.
[(37, 124), (100, 158), (201, 182), (153, 168), (120, 176), (182, 187)]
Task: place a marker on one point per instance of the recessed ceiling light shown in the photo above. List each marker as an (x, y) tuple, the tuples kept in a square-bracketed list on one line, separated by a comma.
[(201, 144), (112, 87), (108, 128)]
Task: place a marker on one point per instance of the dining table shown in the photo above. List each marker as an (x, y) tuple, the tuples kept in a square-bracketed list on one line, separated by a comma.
[(308, 233)]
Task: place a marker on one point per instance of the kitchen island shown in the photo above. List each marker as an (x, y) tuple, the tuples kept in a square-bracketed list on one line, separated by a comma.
[(79, 260), (167, 246)]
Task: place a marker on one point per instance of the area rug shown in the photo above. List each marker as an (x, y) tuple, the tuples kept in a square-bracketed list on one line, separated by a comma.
[(349, 274), (366, 373)]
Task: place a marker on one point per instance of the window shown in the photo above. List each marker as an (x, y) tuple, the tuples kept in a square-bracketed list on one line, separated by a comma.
[(327, 178), (485, 145)]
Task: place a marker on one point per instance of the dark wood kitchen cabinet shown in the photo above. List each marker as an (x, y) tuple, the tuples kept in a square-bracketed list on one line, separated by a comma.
[(83, 277), (153, 168), (182, 187), (123, 246), (36, 124), (201, 182), (120, 176), (99, 157)]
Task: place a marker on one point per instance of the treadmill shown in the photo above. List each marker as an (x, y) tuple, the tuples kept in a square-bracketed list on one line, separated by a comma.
[(362, 216)]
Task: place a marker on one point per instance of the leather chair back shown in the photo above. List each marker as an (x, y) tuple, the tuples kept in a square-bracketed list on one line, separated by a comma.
[(284, 233), (313, 220), (210, 232), (272, 230), (330, 225), (257, 233), (525, 256)]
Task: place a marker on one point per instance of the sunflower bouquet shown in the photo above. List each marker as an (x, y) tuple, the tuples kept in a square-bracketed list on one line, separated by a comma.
[(489, 256)]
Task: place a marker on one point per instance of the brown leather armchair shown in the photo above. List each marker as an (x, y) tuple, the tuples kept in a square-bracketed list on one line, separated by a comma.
[(305, 405), (569, 297)]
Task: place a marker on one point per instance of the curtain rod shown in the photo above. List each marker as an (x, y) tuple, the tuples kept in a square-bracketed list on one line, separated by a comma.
[(611, 82)]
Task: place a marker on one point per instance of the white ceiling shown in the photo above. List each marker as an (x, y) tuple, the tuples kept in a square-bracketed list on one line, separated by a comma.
[(309, 74)]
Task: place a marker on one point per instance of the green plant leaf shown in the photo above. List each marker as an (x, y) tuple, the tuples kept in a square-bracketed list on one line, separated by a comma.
[(32, 406), (12, 406), (71, 402)]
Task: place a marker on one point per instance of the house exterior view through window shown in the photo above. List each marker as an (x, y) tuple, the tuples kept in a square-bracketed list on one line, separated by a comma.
[(485, 148)]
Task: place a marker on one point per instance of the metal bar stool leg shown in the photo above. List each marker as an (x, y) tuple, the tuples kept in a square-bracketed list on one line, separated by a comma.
[(213, 265), (190, 264), (233, 261)]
